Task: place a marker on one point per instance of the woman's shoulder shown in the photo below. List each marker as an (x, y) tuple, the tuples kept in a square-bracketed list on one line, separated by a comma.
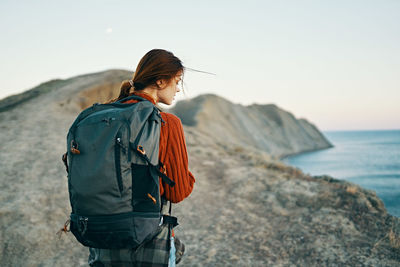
[(170, 118)]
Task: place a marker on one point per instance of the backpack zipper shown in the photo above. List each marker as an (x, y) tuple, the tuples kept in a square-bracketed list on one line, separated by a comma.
[(113, 217), (118, 145), (128, 126)]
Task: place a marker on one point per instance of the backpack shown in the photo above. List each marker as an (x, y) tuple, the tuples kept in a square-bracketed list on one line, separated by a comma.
[(113, 174)]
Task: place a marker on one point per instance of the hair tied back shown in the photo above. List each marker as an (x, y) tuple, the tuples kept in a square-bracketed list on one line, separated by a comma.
[(138, 86), (157, 64)]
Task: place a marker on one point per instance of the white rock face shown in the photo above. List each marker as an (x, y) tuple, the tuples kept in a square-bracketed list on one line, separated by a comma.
[(247, 208), (264, 127)]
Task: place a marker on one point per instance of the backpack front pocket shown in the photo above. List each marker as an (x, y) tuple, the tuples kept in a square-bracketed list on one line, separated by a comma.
[(145, 189)]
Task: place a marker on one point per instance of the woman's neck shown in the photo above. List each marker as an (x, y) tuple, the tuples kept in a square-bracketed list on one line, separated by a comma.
[(150, 92)]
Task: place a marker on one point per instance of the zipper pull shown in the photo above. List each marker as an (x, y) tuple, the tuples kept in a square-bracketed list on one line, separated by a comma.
[(152, 198), (119, 142)]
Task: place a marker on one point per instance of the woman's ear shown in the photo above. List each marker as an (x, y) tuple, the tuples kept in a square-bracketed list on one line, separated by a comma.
[(161, 83)]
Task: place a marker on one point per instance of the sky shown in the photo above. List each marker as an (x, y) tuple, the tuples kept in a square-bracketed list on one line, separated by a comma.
[(335, 63)]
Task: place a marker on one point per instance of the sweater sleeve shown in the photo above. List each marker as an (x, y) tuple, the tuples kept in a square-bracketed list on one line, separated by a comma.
[(175, 160)]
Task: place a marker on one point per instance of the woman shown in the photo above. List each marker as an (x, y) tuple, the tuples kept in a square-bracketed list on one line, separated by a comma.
[(157, 79)]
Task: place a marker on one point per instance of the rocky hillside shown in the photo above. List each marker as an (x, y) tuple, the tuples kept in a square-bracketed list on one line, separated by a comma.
[(247, 208), (265, 127)]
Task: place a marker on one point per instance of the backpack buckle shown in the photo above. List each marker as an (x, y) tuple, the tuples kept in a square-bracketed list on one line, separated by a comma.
[(74, 148), (164, 169), (141, 150)]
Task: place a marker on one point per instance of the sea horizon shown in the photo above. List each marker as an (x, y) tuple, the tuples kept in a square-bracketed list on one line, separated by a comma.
[(360, 130)]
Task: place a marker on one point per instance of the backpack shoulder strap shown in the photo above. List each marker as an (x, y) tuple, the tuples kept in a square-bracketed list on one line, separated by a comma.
[(153, 167), (132, 97)]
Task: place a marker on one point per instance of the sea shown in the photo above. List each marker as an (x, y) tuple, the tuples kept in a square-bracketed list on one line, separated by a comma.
[(370, 159)]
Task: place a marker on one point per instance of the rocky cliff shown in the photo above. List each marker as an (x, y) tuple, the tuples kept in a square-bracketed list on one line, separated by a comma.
[(264, 127), (247, 208)]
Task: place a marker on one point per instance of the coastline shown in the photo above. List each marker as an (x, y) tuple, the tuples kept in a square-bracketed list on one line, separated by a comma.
[(373, 154)]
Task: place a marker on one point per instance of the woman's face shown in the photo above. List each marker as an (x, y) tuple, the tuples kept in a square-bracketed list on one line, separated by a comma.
[(166, 93)]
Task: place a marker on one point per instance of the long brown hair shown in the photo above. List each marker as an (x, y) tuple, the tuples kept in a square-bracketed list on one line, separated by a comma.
[(156, 65)]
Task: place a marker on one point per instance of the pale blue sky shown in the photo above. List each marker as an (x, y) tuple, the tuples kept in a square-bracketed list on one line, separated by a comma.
[(336, 63)]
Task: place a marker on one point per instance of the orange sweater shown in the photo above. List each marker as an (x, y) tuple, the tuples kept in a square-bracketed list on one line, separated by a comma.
[(173, 154)]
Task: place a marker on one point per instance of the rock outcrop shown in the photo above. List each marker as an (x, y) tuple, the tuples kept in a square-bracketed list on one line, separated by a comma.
[(265, 127), (247, 208)]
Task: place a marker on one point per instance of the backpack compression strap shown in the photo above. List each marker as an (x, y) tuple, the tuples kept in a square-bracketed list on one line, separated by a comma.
[(64, 159), (173, 221), (140, 150), (168, 218)]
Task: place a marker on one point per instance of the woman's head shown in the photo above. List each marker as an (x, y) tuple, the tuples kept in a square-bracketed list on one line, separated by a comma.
[(158, 69)]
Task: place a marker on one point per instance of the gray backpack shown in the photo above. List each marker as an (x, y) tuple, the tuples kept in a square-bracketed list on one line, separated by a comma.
[(113, 174)]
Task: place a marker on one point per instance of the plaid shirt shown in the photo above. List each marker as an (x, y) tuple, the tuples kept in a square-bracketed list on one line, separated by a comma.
[(154, 253)]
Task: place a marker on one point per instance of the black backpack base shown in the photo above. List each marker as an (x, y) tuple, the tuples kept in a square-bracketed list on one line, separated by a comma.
[(125, 230)]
